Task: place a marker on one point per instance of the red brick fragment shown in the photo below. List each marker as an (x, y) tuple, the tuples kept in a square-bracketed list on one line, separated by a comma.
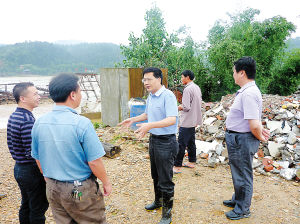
[(268, 168), (203, 155), (260, 153)]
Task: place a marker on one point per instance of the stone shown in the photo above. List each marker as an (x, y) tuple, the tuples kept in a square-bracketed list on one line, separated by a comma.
[(273, 125), (283, 164), (212, 160), (209, 121), (268, 168), (204, 155), (218, 109), (298, 172), (202, 146), (212, 129), (220, 135), (287, 129), (292, 139), (219, 149), (274, 148), (288, 173), (260, 153), (222, 159), (296, 130), (256, 163)]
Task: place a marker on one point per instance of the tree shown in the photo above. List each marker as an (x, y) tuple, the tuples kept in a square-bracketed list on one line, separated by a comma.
[(243, 36), (151, 48), (286, 79), (155, 47)]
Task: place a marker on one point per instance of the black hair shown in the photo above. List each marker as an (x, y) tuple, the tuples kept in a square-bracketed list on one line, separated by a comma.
[(188, 73), (247, 64), (157, 73), (61, 86), (20, 89)]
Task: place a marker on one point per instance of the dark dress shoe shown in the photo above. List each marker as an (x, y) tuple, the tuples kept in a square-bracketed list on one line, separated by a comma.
[(234, 216), (229, 203)]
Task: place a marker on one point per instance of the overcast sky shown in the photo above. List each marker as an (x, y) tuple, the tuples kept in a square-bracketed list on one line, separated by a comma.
[(112, 20)]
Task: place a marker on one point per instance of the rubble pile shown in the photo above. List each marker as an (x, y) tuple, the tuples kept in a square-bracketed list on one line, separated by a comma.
[(280, 155)]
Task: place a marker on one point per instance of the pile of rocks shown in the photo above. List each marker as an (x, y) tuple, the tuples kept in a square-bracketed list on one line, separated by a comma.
[(280, 155)]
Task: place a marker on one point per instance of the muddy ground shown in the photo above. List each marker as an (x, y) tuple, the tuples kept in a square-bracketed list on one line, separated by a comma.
[(199, 192)]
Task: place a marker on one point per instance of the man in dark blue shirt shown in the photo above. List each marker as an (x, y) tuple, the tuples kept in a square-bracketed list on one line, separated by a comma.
[(27, 174)]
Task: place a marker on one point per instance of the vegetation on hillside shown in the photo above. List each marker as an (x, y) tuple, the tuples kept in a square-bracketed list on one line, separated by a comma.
[(45, 58), (211, 61)]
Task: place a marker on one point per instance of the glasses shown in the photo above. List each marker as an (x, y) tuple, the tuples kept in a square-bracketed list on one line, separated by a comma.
[(146, 80)]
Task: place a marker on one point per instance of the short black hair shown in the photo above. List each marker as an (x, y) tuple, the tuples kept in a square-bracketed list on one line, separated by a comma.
[(188, 73), (157, 73), (247, 64), (62, 85), (20, 88)]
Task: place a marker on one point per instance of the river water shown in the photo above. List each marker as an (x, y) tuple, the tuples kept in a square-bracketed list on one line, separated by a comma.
[(90, 105)]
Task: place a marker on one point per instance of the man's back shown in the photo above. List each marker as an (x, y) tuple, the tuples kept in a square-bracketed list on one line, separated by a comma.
[(65, 142), (191, 101)]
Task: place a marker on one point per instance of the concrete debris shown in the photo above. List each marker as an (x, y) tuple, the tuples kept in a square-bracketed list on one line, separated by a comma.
[(281, 115), (288, 173), (274, 148)]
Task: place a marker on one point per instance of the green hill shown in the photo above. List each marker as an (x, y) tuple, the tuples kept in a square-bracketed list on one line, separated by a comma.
[(45, 58), (293, 43)]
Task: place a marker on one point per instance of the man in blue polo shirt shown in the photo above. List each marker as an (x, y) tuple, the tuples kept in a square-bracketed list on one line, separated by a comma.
[(161, 113), (68, 152), (34, 203), (243, 133)]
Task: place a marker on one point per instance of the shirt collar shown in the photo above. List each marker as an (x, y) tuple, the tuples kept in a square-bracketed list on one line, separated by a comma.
[(190, 83), (21, 109), (64, 108), (249, 84), (160, 91)]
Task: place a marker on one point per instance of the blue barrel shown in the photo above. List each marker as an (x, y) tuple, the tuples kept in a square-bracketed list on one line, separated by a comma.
[(136, 110)]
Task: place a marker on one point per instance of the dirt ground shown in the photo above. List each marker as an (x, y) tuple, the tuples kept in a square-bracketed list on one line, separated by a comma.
[(199, 192)]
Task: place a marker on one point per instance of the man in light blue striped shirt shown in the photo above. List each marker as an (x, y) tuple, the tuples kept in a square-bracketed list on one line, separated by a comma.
[(162, 115)]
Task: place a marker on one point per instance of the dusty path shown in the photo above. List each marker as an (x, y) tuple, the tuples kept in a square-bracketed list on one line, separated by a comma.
[(198, 193)]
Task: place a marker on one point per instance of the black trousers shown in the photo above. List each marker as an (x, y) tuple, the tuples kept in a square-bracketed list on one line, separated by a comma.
[(33, 190), (186, 138), (162, 150)]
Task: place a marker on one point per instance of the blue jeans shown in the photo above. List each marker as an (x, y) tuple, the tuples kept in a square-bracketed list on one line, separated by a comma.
[(162, 150), (33, 191), (241, 149), (186, 138)]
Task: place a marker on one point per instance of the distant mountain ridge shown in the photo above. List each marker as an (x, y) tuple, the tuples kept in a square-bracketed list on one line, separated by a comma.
[(45, 58), (293, 43)]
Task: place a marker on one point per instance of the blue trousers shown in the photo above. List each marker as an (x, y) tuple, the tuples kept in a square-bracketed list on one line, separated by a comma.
[(33, 190), (241, 149)]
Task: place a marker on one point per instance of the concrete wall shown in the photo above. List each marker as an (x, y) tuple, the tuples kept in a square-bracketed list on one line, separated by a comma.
[(117, 86), (109, 85)]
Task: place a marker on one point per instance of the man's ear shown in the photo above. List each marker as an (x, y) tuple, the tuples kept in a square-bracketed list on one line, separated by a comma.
[(22, 98), (72, 95)]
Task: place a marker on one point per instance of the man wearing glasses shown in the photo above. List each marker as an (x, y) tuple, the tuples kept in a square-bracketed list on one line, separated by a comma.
[(161, 113)]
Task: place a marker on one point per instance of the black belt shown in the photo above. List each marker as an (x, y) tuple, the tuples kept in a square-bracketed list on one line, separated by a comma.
[(72, 181), (235, 132), (162, 136)]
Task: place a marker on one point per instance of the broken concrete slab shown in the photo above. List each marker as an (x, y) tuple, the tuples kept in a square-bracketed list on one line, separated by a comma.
[(274, 148), (288, 173), (292, 139), (212, 129), (209, 121), (202, 146)]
